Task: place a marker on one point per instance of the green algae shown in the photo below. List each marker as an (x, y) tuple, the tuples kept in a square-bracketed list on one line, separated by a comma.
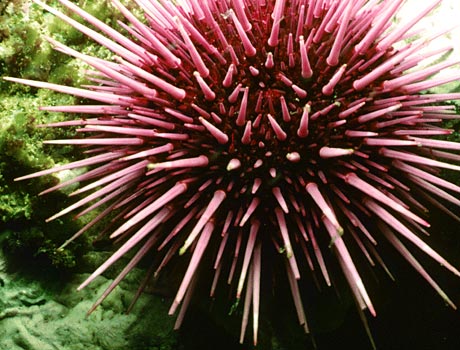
[(25, 53)]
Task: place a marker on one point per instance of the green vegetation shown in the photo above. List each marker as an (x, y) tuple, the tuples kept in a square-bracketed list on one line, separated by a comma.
[(25, 53)]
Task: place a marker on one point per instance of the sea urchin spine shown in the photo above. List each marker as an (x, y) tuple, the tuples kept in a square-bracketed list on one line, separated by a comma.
[(234, 129)]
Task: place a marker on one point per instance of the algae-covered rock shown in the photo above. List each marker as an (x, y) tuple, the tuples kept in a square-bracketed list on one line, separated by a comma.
[(39, 312), (25, 53)]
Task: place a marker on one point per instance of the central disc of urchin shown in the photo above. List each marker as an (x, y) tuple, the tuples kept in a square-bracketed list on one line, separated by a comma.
[(269, 131)]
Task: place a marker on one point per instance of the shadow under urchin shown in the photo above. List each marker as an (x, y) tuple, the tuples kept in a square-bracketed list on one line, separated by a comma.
[(238, 132)]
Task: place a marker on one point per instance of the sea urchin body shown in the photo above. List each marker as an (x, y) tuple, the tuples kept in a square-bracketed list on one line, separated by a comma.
[(234, 129)]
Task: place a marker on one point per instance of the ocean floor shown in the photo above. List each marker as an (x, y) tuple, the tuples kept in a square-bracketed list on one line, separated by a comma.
[(49, 314)]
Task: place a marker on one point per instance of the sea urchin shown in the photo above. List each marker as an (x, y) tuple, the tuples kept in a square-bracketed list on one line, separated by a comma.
[(250, 130)]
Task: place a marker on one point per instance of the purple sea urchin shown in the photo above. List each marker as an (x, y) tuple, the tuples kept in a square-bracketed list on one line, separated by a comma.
[(233, 129)]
